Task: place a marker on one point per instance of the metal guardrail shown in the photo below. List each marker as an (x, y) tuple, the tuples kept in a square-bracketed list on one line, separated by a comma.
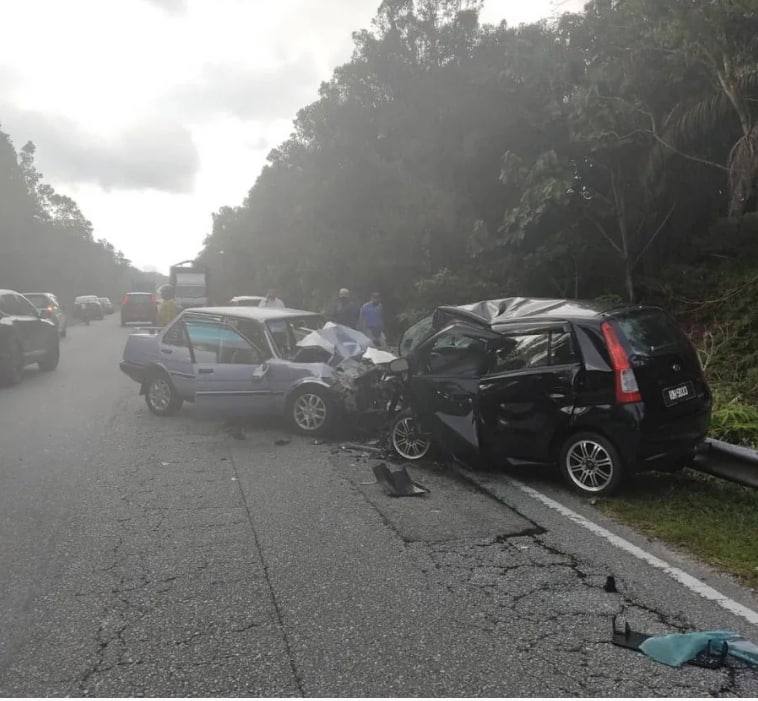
[(731, 462)]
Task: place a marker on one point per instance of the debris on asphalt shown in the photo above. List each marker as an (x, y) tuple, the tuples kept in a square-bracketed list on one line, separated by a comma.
[(397, 483), (707, 649), (365, 447), (610, 585), (282, 441), (316, 441), (236, 431)]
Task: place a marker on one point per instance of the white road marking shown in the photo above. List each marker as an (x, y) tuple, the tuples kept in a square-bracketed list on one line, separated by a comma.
[(692, 583)]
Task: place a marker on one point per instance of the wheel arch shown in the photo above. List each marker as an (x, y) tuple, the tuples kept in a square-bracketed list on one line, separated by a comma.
[(152, 369)]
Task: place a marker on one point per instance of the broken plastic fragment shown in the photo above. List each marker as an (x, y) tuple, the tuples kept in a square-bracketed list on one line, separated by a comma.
[(397, 483)]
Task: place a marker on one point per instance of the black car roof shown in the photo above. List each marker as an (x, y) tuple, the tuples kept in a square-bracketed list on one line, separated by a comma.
[(507, 309)]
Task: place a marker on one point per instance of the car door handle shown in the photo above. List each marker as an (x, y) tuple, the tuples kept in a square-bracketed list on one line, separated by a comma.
[(205, 371)]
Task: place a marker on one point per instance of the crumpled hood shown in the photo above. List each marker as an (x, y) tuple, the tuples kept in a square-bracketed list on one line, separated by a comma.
[(343, 343)]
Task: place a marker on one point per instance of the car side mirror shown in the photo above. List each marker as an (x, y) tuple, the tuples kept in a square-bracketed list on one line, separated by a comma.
[(399, 366)]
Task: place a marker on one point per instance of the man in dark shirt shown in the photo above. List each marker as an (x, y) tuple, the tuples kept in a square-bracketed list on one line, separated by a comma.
[(344, 310)]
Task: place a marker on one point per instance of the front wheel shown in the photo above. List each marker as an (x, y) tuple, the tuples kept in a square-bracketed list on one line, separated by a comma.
[(408, 441), (312, 411), (591, 464), (161, 397), (12, 364), (50, 362)]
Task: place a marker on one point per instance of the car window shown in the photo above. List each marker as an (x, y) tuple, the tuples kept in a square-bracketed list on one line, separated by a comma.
[(415, 335), (253, 332), (175, 335), (454, 353), (39, 301), (287, 332), (216, 343), (25, 306), (532, 349), (650, 331), (6, 304)]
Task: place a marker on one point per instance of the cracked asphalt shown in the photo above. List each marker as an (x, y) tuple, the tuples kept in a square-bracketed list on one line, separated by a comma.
[(146, 556)]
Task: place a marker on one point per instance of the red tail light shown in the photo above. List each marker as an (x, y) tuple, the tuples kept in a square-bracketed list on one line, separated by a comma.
[(627, 390), (124, 300)]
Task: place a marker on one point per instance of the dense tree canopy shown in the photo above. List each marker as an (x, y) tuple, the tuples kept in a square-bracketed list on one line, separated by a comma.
[(449, 160), (48, 244)]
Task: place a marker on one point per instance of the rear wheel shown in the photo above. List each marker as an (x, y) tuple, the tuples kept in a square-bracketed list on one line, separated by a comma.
[(591, 464), (50, 362), (408, 441), (312, 411), (160, 396), (12, 364)]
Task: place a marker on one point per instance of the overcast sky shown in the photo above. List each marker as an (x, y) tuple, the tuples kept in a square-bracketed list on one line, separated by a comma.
[(152, 114)]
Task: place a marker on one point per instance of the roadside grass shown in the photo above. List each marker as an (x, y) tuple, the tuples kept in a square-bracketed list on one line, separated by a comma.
[(715, 520)]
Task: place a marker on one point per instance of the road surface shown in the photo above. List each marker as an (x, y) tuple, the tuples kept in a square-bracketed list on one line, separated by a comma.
[(147, 556)]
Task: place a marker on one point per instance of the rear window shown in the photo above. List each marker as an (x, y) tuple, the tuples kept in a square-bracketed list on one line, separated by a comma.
[(650, 331), (287, 332), (141, 297), (38, 301)]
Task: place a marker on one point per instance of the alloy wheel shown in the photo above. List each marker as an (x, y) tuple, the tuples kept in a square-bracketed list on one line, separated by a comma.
[(309, 411), (408, 441), (589, 465), (159, 394)]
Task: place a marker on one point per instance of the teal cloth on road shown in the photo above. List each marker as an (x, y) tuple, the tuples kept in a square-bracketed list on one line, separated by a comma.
[(676, 649)]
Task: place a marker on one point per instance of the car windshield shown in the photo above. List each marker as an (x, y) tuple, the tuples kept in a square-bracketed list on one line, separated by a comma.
[(287, 332)]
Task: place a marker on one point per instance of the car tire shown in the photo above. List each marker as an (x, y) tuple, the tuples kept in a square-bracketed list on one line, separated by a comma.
[(161, 396), (590, 464), (12, 364), (312, 411), (407, 439), (51, 358)]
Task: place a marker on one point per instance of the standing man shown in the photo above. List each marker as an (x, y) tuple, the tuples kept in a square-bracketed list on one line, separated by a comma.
[(345, 311), (271, 300), (167, 309), (371, 319)]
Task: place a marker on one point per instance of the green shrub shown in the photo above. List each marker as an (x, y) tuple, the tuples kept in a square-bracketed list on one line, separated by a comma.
[(734, 420)]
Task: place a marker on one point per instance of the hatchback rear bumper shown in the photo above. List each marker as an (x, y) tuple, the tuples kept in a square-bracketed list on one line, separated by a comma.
[(136, 372)]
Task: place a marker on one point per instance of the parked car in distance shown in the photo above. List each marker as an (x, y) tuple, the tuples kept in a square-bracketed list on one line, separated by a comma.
[(88, 307), (25, 338), (106, 304), (246, 301), (139, 306), (599, 392), (49, 308), (241, 360)]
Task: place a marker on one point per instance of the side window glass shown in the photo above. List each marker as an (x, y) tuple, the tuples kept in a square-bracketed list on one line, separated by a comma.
[(205, 339), (561, 348), (521, 352), (235, 350), (253, 332), (175, 335), (455, 354), (415, 335), (24, 307), (6, 305)]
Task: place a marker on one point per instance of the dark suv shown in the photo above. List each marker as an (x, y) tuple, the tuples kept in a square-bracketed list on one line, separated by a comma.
[(522, 380), (25, 338), (139, 306)]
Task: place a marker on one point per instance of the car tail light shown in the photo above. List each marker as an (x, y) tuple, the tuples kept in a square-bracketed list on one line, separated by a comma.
[(154, 299), (124, 300), (627, 390)]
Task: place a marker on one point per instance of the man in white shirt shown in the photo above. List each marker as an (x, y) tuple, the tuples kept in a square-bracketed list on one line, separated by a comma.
[(271, 300)]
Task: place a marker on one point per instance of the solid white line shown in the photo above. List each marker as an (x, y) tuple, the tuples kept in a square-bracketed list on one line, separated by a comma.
[(692, 583)]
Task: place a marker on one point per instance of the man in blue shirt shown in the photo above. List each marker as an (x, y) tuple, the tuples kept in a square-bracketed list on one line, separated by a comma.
[(371, 319)]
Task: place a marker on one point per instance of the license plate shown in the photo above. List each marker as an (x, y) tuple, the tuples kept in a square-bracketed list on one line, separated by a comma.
[(674, 395)]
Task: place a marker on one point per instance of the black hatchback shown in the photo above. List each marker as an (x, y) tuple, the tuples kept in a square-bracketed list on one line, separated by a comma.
[(599, 392)]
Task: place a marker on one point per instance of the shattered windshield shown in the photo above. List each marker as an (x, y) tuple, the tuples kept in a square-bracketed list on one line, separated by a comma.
[(286, 333)]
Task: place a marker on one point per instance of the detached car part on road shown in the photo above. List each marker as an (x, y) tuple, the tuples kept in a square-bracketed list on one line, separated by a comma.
[(25, 338), (523, 380), (256, 361)]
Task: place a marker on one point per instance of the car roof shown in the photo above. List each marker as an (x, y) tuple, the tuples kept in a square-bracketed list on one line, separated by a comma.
[(48, 294), (9, 292), (507, 309), (257, 313), (246, 297)]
